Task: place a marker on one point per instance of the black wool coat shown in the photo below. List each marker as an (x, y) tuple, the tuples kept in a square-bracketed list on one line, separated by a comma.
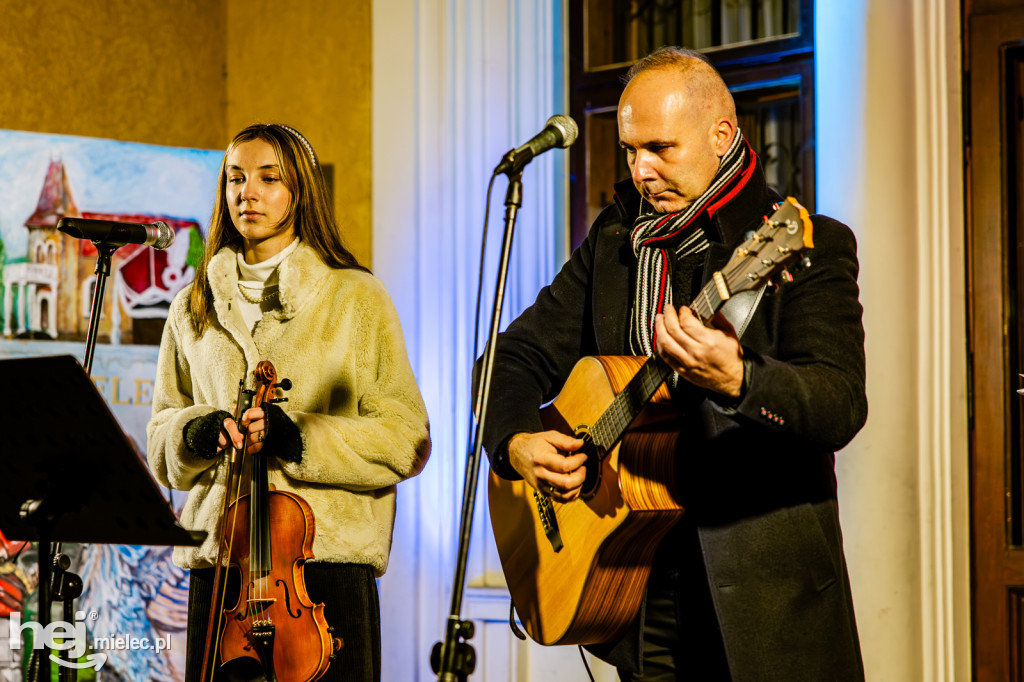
[(757, 477)]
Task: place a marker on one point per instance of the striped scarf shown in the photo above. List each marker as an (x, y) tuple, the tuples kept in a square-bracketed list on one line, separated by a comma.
[(654, 235)]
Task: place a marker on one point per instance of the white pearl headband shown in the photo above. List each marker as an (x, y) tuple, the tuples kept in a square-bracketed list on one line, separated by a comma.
[(303, 140)]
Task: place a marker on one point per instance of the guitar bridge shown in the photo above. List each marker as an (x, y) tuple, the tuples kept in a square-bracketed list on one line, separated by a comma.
[(548, 522)]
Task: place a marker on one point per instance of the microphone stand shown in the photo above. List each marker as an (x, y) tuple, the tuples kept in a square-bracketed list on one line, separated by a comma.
[(455, 659), (104, 252), (55, 581)]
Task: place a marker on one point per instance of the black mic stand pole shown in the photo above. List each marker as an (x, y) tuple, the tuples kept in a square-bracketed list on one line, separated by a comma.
[(63, 584), (455, 659), (104, 253)]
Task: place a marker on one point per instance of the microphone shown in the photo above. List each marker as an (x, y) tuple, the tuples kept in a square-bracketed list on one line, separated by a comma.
[(159, 235), (559, 131)]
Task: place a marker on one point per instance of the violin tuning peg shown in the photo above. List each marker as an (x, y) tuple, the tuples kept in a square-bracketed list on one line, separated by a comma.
[(284, 384), (278, 400)]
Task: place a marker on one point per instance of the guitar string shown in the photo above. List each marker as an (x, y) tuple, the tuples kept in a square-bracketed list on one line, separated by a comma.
[(610, 425)]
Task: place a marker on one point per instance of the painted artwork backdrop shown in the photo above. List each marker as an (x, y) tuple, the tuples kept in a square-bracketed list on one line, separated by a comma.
[(47, 277), (132, 593)]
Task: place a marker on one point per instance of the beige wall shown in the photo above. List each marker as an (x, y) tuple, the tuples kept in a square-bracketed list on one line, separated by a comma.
[(145, 72), (309, 67), (191, 73)]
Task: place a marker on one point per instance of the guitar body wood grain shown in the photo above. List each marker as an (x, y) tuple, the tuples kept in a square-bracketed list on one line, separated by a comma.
[(591, 589)]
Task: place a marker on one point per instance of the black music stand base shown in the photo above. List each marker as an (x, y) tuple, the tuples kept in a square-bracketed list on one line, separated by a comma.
[(68, 473)]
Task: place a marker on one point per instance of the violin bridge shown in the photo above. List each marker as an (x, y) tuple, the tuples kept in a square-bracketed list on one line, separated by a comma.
[(260, 605)]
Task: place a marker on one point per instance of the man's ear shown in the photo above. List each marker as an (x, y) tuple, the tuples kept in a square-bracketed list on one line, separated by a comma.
[(722, 134)]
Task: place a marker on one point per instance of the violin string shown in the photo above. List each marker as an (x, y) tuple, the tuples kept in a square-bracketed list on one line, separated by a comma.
[(263, 517), (256, 532), (259, 608)]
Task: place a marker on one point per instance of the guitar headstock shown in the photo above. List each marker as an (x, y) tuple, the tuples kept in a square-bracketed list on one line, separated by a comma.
[(779, 240)]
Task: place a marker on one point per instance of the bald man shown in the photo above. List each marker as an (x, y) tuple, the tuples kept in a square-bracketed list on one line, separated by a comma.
[(752, 583)]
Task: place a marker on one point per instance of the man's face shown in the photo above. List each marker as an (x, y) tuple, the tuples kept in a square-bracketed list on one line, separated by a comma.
[(673, 142)]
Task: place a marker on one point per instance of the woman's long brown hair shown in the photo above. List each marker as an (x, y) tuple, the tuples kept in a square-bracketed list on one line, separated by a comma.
[(310, 209)]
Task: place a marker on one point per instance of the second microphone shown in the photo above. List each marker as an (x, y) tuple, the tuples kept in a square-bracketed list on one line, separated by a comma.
[(159, 235)]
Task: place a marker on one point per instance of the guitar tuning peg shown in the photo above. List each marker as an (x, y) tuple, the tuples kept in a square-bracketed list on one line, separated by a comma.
[(786, 276), (805, 262), (749, 235), (770, 288)]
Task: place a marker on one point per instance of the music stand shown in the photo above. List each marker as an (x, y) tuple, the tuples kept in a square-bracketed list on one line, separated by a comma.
[(68, 473)]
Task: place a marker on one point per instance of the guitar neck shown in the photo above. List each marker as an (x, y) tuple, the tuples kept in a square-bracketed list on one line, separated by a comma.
[(610, 426), (710, 299), (763, 253)]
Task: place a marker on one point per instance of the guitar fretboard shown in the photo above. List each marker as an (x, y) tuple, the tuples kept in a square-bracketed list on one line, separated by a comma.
[(763, 253), (610, 426)]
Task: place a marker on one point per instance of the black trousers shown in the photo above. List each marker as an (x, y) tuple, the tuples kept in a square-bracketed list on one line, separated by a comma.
[(681, 638), (351, 607)]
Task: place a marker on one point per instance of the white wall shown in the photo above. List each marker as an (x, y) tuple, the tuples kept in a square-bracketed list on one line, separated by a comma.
[(889, 164), (456, 84)]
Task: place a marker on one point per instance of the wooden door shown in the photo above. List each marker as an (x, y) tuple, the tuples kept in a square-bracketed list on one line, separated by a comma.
[(994, 150)]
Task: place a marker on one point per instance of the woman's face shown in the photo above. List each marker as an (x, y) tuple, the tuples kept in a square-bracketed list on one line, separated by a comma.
[(258, 200)]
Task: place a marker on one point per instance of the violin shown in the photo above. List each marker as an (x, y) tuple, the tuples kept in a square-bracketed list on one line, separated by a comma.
[(267, 535)]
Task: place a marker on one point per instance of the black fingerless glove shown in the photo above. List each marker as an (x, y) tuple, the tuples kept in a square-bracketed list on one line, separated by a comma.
[(202, 434), (283, 439)]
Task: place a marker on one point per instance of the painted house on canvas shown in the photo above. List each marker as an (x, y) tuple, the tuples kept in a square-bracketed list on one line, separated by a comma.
[(50, 294)]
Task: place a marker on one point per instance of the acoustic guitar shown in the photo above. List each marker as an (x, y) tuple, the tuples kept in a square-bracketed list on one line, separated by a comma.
[(577, 571)]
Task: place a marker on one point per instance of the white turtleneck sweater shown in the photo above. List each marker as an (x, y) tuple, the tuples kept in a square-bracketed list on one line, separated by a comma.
[(257, 284)]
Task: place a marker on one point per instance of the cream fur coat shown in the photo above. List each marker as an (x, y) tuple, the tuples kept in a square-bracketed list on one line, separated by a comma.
[(354, 398)]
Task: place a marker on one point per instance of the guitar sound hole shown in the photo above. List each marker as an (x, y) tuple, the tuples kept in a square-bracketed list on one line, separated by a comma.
[(593, 465)]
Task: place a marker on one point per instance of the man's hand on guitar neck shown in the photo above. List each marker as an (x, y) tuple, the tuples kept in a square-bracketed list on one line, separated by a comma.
[(709, 357), (546, 462)]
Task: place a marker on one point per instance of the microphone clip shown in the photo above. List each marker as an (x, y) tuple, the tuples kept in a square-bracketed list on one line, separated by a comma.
[(512, 163)]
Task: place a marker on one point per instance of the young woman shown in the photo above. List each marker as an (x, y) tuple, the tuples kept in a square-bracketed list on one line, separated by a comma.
[(277, 284)]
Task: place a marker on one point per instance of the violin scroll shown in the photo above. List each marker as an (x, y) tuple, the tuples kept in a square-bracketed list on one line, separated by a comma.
[(266, 381)]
